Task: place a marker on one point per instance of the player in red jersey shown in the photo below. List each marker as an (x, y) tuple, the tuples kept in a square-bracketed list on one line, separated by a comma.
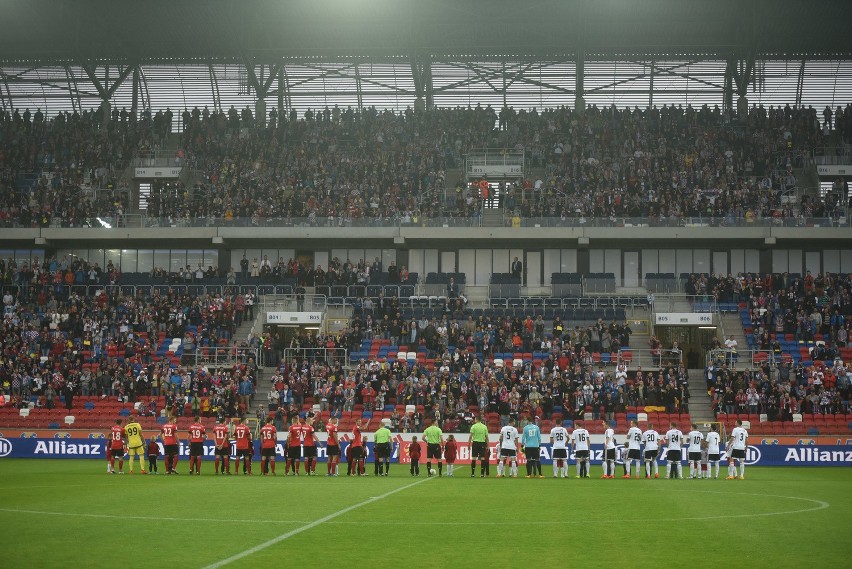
[(221, 437), (197, 436), (294, 448), (170, 445), (332, 447), (309, 443), (244, 447), (356, 448), (115, 449), (268, 439)]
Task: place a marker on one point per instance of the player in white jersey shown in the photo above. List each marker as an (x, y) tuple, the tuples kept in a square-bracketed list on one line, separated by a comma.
[(695, 438), (634, 449), (737, 451), (652, 450), (559, 440), (580, 443), (712, 443), (609, 451), (674, 440), (509, 448)]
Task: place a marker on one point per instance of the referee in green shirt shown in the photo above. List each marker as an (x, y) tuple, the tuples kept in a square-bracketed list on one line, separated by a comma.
[(479, 448), (383, 450), (434, 441)]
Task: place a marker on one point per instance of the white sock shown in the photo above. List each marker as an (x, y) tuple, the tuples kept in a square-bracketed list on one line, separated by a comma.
[(717, 469), (691, 470), (514, 469), (627, 468), (656, 468), (578, 467), (555, 469), (742, 468), (638, 465), (668, 470), (647, 468), (500, 468)]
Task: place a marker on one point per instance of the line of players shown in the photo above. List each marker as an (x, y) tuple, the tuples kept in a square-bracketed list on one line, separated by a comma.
[(700, 449), (128, 440), (303, 442)]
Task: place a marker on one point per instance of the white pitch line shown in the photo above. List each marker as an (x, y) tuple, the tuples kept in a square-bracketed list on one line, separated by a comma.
[(820, 505), (148, 518), (289, 534)]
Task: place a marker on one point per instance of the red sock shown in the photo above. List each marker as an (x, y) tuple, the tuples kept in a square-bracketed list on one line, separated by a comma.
[(120, 464), (228, 464), (272, 462), (112, 463), (216, 464), (248, 465), (198, 465), (237, 465), (297, 464), (328, 466), (174, 463)]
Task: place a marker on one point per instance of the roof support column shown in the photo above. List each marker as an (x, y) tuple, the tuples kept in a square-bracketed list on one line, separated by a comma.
[(579, 89)]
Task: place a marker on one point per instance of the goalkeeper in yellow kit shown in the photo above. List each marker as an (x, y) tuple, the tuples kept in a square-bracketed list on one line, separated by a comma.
[(135, 443)]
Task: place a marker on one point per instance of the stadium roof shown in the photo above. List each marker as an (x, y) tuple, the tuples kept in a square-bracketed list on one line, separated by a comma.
[(191, 30)]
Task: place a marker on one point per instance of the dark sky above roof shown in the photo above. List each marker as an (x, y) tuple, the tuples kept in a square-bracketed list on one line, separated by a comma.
[(156, 29)]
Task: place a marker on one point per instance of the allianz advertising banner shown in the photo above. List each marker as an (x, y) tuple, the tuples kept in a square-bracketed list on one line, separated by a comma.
[(803, 453)]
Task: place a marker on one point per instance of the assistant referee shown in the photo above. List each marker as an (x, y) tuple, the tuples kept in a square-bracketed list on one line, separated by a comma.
[(479, 448)]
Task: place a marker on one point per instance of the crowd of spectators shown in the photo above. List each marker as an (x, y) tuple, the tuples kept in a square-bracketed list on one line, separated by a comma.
[(49, 167), (344, 166), (809, 307), (781, 390), (58, 340), (815, 312), (464, 377)]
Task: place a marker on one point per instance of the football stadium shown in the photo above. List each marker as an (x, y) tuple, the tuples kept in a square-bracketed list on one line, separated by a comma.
[(392, 283)]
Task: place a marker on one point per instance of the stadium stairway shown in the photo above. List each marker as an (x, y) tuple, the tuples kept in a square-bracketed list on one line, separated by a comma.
[(733, 326), (492, 217), (699, 400)]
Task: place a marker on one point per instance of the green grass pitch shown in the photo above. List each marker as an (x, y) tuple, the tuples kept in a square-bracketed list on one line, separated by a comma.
[(70, 513)]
